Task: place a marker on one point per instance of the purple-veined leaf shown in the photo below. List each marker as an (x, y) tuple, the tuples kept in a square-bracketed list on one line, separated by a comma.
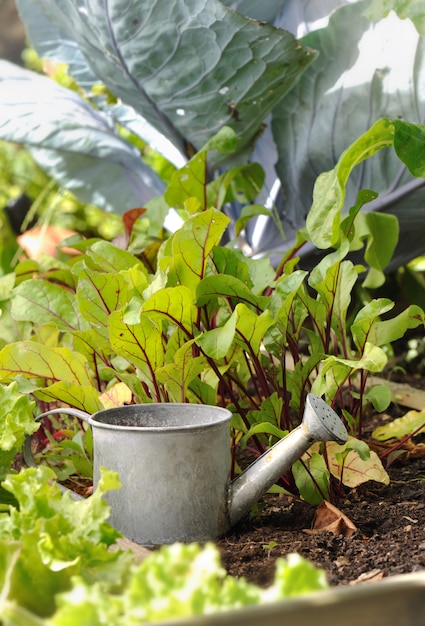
[(35, 361), (141, 344), (175, 305), (42, 303)]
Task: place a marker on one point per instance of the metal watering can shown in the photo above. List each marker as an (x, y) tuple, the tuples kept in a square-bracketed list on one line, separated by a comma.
[(174, 464)]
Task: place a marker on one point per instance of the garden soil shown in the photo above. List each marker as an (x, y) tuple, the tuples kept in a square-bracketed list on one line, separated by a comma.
[(389, 521), (389, 540)]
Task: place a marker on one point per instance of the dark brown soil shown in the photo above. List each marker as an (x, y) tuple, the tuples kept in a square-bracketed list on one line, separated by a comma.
[(390, 521), (390, 538)]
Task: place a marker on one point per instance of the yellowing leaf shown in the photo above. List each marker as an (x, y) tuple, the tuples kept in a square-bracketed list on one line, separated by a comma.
[(117, 395), (354, 470), (412, 422)]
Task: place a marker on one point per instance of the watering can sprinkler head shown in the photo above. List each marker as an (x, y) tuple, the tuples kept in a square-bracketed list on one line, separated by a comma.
[(320, 423)]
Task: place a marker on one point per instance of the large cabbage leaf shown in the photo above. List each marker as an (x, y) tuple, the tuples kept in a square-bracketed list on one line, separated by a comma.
[(364, 71), (72, 141), (187, 66), (181, 70)]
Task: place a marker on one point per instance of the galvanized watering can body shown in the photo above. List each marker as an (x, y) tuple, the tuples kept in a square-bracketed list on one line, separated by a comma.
[(174, 465), (173, 462)]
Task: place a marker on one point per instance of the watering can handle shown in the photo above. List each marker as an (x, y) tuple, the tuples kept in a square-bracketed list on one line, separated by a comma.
[(26, 448)]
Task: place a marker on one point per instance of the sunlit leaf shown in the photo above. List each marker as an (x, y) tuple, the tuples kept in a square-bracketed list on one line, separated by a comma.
[(106, 257), (16, 418), (367, 326), (251, 328), (406, 9), (117, 395), (411, 422), (193, 243), (141, 344), (82, 397), (174, 304), (355, 470), (189, 182), (34, 360)]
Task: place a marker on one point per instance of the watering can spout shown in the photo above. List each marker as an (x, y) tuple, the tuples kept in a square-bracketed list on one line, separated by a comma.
[(320, 423)]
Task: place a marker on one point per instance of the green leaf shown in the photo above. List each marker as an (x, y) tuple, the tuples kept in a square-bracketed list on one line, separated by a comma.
[(227, 286), (177, 376), (380, 396), (174, 304), (363, 326), (43, 303), (225, 141), (105, 257), (247, 213), (251, 328), (84, 397), (312, 478), (270, 411), (200, 392), (99, 294), (217, 342), (409, 142), (261, 428), (51, 43), (411, 422), (34, 360), (296, 576), (190, 181), (381, 231), (323, 221), (345, 81), (141, 344), (171, 571), (334, 279), (241, 183), (16, 418), (59, 539), (373, 359), (75, 144), (151, 64), (368, 327), (232, 262), (405, 9), (193, 243), (335, 370)]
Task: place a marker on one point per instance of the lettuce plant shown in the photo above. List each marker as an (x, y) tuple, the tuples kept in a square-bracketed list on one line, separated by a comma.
[(56, 567)]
